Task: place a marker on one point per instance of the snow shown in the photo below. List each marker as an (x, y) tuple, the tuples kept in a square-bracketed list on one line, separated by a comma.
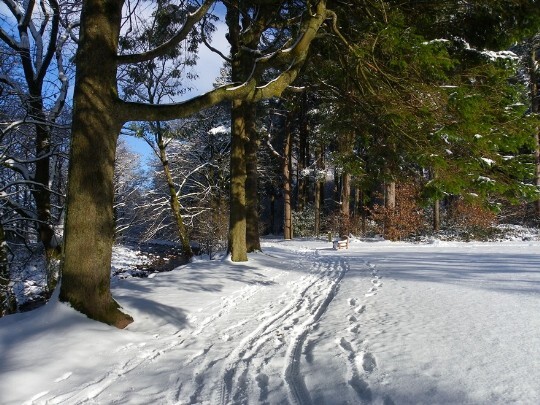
[(380, 322), (487, 161), (219, 130)]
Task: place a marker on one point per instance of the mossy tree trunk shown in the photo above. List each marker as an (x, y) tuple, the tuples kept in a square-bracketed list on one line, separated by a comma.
[(90, 223), (237, 220)]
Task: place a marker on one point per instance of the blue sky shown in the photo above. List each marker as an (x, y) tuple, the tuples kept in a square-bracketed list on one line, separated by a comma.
[(208, 67)]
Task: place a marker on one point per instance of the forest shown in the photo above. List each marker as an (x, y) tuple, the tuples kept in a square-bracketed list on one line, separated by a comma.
[(397, 118)]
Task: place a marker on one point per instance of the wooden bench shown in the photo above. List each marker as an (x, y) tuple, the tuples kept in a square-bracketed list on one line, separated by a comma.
[(341, 244)]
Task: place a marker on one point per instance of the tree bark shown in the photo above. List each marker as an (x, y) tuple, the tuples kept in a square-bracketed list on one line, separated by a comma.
[(90, 223), (317, 208), (436, 215), (287, 211), (436, 210), (237, 219), (345, 204), (252, 180), (390, 195)]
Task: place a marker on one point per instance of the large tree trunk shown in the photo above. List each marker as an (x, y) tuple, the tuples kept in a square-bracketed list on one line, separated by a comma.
[(252, 181), (237, 219), (173, 197), (89, 220)]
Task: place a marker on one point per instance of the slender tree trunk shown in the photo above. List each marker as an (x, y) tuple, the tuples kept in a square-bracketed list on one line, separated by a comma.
[(7, 299), (272, 219), (535, 108), (319, 189), (537, 170), (317, 208), (252, 181), (287, 211), (173, 196), (303, 156), (436, 215), (41, 193), (95, 129), (390, 195), (345, 204), (436, 209)]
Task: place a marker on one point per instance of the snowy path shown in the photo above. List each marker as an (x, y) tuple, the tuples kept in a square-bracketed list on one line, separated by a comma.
[(379, 323)]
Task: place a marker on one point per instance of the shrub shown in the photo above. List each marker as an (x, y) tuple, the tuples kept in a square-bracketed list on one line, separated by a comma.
[(403, 221)]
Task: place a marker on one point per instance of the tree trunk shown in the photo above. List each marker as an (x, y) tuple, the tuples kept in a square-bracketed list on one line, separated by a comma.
[(41, 193), (390, 195), (95, 129), (345, 204), (7, 299), (303, 157), (436, 215), (317, 208), (173, 196), (287, 211), (535, 109), (319, 190), (537, 170), (237, 219), (436, 210), (252, 180), (272, 219)]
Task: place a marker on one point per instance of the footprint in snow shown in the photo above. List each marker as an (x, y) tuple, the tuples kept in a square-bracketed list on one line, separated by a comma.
[(352, 302), (360, 309), (376, 282), (63, 377), (368, 362), (345, 345)]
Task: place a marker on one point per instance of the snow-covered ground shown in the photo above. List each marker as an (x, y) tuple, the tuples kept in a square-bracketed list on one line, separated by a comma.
[(384, 323)]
